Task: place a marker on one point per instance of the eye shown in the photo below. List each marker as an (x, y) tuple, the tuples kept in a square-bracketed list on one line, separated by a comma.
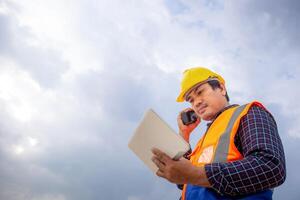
[(191, 101), (199, 92)]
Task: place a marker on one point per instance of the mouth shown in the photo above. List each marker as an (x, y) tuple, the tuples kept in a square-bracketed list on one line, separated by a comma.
[(201, 109)]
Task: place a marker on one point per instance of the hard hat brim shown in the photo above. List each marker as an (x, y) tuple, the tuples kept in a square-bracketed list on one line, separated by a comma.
[(181, 97)]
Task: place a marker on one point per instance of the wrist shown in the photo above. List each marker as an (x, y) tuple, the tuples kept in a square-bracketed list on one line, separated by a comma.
[(185, 136), (199, 176)]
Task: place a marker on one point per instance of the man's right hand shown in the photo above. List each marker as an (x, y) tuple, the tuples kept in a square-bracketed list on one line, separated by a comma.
[(186, 130)]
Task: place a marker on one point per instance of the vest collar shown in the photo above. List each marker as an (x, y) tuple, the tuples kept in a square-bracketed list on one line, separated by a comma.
[(227, 107)]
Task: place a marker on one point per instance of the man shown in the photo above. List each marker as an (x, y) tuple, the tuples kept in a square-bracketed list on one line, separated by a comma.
[(240, 156)]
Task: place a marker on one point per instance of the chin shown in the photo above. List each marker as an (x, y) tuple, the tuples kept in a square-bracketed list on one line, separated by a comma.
[(207, 117)]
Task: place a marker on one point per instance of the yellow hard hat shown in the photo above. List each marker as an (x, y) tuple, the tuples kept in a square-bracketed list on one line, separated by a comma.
[(193, 76)]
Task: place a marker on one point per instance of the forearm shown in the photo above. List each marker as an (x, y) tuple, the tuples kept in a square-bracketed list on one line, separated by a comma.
[(250, 175)]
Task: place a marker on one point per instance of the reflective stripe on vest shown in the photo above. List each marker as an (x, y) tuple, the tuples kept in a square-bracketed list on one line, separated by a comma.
[(224, 141)]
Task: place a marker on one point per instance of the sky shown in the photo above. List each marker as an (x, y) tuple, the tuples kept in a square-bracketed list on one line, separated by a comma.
[(77, 76)]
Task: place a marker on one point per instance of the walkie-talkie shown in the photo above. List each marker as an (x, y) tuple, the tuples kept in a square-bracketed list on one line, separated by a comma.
[(188, 117)]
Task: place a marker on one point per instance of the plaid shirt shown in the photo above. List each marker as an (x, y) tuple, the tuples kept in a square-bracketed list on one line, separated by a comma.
[(263, 165)]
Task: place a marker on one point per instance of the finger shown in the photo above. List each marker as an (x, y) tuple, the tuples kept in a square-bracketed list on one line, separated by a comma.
[(155, 150), (158, 163), (187, 109), (195, 124), (183, 159), (161, 156), (164, 158), (198, 120), (160, 174), (179, 120)]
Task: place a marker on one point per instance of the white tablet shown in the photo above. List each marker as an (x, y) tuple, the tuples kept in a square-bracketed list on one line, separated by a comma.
[(154, 132)]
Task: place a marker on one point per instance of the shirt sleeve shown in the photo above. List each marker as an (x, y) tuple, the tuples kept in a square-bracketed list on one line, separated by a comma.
[(263, 165)]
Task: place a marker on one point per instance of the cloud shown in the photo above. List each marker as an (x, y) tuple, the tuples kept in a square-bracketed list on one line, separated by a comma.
[(45, 65), (77, 76)]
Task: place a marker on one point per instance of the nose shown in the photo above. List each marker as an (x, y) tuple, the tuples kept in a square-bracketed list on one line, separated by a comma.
[(197, 103)]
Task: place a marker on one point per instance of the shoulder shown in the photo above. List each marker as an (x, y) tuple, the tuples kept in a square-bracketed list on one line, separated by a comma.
[(258, 114)]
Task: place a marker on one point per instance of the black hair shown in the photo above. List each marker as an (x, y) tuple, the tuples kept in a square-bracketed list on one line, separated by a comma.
[(216, 84)]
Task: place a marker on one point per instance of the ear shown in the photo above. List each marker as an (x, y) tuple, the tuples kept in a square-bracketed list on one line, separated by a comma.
[(223, 89)]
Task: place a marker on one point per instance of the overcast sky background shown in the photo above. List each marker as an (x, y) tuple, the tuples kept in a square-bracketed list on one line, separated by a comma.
[(77, 76)]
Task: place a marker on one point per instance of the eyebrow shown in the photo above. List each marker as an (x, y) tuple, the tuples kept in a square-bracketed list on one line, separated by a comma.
[(188, 98), (195, 90)]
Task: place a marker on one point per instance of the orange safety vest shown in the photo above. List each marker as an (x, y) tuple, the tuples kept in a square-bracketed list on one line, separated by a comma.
[(217, 145)]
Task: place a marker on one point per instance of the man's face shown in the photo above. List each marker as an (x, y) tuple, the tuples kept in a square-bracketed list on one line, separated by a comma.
[(207, 102)]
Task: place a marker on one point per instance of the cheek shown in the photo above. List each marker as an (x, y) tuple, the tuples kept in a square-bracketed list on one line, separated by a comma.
[(213, 102)]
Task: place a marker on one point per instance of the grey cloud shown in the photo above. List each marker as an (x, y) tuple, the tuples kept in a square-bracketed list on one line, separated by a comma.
[(289, 189), (5, 37), (176, 7), (46, 66), (266, 28), (124, 100), (21, 176), (281, 16), (90, 171), (85, 157)]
